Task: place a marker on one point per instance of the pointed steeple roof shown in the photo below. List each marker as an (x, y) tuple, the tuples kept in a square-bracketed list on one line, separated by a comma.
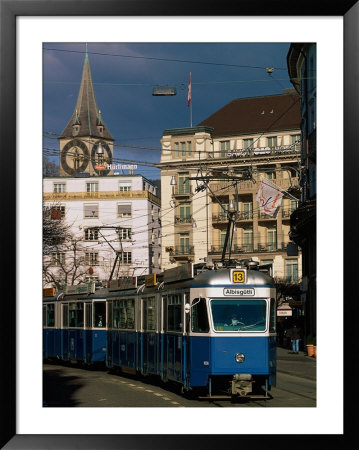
[(86, 117)]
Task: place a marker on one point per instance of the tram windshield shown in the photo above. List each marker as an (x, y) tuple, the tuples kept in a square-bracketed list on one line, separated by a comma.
[(239, 315)]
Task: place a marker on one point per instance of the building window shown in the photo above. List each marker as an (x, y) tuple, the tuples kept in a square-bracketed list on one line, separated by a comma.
[(91, 258), (272, 238), (295, 141), (183, 183), (92, 186), (57, 258), (223, 238), (91, 234), (185, 213), (125, 234), (223, 211), (125, 186), (247, 210), (90, 210), (248, 239), (126, 257), (248, 143), (124, 210), (59, 187), (293, 205), (183, 148), (184, 243), (225, 147), (272, 141), (291, 270), (271, 175), (189, 148), (57, 212)]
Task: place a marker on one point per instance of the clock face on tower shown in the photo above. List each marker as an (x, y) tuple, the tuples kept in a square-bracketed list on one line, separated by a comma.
[(100, 157), (74, 157)]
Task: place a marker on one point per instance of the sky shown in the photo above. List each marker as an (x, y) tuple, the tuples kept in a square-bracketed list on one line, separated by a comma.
[(125, 74)]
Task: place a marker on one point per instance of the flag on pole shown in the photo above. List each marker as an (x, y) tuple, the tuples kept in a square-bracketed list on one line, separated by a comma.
[(189, 95), (269, 197)]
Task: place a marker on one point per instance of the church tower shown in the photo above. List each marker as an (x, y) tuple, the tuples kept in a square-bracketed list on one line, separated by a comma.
[(86, 145)]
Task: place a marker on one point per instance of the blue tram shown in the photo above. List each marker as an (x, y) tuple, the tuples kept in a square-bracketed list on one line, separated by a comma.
[(212, 330), (74, 325)]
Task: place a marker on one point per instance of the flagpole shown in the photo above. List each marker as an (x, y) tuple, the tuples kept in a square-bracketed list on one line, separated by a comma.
[(191, 112)]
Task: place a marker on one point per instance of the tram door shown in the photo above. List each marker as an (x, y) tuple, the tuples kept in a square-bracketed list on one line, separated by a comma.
[(149, 344), (174, 339)]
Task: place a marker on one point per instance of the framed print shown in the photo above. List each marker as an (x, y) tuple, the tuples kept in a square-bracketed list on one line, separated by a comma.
[(24, 28)]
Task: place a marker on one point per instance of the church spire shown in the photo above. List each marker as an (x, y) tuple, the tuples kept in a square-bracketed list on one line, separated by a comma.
[(86, 119)]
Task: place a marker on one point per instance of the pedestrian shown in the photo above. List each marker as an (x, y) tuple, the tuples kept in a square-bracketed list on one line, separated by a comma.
[(294, 334)]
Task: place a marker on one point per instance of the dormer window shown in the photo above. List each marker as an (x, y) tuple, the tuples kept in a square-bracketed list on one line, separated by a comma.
[(75, 130)]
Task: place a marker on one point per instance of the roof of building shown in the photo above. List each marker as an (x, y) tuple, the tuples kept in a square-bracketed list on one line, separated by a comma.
[(252, 115), (86, 114)]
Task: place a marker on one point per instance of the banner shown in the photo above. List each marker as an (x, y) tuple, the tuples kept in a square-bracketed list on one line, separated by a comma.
[(269, 197), (189, 95)]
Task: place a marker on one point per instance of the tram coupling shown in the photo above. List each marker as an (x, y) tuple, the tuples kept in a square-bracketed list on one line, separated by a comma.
[(242, 384)]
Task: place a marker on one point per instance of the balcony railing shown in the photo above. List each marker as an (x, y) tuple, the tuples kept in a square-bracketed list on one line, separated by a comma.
[(261, 151), (183, 250), (182, 191), (247, 186), (101, 195), (251, 248), (183, 220)]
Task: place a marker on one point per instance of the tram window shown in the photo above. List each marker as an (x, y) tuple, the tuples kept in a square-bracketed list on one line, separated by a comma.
[(50, 315), (272, 317), (76, 315), (124, 314), (44, 316), (199, 316), (174, 313), (149, 313), (99, 309), (65, 315), (250, 315)]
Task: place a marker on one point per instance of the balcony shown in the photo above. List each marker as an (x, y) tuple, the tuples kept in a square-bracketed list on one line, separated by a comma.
[(251, 248), (183, 220), (101, 195), (220, 189), (183, 251)]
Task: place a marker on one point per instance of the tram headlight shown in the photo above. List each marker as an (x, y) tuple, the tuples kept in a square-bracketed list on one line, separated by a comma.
[(239, 357)]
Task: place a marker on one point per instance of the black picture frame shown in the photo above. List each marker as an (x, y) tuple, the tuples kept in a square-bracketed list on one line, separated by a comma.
[(9, 11)]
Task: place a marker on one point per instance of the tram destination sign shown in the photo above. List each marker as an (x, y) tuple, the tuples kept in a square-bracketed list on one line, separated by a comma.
[(244, 292)]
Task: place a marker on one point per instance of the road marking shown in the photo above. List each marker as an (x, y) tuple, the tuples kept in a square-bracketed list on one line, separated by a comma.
[(166, 398), (148, 390), (102, 399), (158, 395)]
